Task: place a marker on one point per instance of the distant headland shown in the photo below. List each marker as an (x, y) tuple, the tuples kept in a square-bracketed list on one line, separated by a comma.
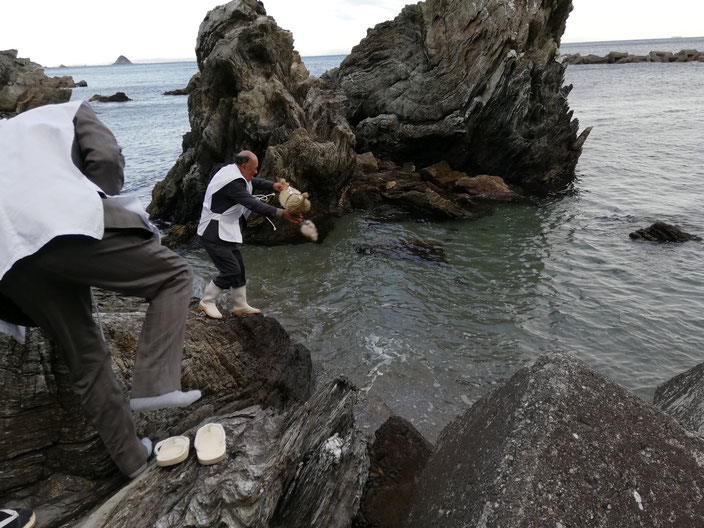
[(122, 60)]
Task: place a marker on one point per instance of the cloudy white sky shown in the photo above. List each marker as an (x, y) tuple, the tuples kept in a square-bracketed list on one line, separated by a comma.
[(80, 32)]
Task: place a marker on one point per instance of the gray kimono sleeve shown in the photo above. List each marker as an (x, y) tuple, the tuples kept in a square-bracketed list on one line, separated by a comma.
[(96, 153)]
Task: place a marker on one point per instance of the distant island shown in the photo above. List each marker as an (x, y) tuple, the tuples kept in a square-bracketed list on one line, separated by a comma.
[(122, 60)]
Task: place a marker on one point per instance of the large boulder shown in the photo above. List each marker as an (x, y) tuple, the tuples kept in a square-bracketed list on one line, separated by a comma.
[(560, 445), (23, 85), (476, 84), (254, 93)]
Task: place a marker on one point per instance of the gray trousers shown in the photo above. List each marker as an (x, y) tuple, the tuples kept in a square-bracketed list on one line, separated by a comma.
[(52, 287)]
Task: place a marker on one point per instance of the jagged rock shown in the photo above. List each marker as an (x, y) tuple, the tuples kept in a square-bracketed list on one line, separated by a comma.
[(367, 163), (616, 57), (560, 445), (682, 397), (53, 459), (23, 85), (472, 83), (487, 187), (118, 97), (192, 83), (122, 60), (397, 458), (255, 93), (662, 232)]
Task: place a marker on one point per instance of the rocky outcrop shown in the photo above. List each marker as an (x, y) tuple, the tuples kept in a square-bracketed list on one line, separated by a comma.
[(122, 60), (476, 84), (618, 57), (559, 445), (118, 97), (662, 232), (251, 375), (192, 83), (254, 93), (23, 85), (682, 397), (435, 192)]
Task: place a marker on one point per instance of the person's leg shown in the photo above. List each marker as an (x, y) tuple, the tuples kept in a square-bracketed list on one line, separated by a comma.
[(239, 290), (125, 261), (228, 261), (64, 312)]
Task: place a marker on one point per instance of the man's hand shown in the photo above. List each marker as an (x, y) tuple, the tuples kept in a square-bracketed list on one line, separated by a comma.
[(278, 186), (293, 218)]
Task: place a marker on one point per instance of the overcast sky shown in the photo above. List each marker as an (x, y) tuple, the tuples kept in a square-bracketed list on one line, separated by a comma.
[(79, 32)]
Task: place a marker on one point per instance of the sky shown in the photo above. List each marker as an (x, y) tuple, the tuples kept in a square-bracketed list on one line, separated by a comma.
[(79, 32)]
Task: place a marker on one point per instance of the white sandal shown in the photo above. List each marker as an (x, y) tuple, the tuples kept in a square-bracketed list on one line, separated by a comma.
[(210, 443), (172, 450)]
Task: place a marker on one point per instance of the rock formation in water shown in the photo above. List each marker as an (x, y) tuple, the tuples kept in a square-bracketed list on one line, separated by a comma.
[(254, 93), (559, 445), (618, 57), (192, 83), (23, 85), (662, 232), (122, 60), (476, 84), (118, 97)]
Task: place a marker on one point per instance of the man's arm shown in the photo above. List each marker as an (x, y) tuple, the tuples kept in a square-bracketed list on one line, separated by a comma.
[(236, 192), (96, 153)]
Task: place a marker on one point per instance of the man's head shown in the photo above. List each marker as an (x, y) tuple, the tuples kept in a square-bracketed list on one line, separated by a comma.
[(247, 163)]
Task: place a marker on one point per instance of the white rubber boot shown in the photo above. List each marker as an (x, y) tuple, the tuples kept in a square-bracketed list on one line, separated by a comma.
[(239, 297), (207, 302)]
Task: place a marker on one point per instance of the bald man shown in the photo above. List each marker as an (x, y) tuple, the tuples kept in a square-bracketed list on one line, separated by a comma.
[(226, 206)]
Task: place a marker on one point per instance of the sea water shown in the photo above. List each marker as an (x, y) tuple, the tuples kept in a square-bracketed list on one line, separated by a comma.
[(425, 338)]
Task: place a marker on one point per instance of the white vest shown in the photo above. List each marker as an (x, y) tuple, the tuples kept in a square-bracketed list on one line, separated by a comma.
[(228, 221)]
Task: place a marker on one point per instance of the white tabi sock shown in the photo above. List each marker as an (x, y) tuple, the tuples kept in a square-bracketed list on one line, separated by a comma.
[(170, 399)]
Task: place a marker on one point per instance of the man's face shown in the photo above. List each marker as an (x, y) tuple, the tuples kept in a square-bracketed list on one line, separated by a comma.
[(249, 168)]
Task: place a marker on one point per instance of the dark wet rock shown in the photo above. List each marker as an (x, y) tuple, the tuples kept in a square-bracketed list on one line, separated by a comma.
[(487, 187), (255, 93), (397, 458), (122, 60), (192, 83), (559, 445), (682, 397), (82, 84), (616, 57), (662, 232), (474, 84), (367, 163), (427, 251), (23, 85), (118, 97)]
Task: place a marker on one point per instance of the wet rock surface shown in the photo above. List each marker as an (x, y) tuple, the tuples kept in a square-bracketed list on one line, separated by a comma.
[(23, 85), (682, 397), (475, 84), (662, 232), (118, 97), (560, 445)]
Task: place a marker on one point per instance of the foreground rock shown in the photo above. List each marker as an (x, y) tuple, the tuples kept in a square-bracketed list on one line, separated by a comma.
[(617, 57), (476, 84), (23, 85), (255, 93), (662, 232), (118, 97), (254, 381), (682, 397), (561, 446)]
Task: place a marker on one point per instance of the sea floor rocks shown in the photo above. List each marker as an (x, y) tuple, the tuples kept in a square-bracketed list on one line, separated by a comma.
[(559, 445), (662, 232)]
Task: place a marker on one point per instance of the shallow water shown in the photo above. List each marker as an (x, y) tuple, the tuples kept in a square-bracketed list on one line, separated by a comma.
[(425, 339)]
